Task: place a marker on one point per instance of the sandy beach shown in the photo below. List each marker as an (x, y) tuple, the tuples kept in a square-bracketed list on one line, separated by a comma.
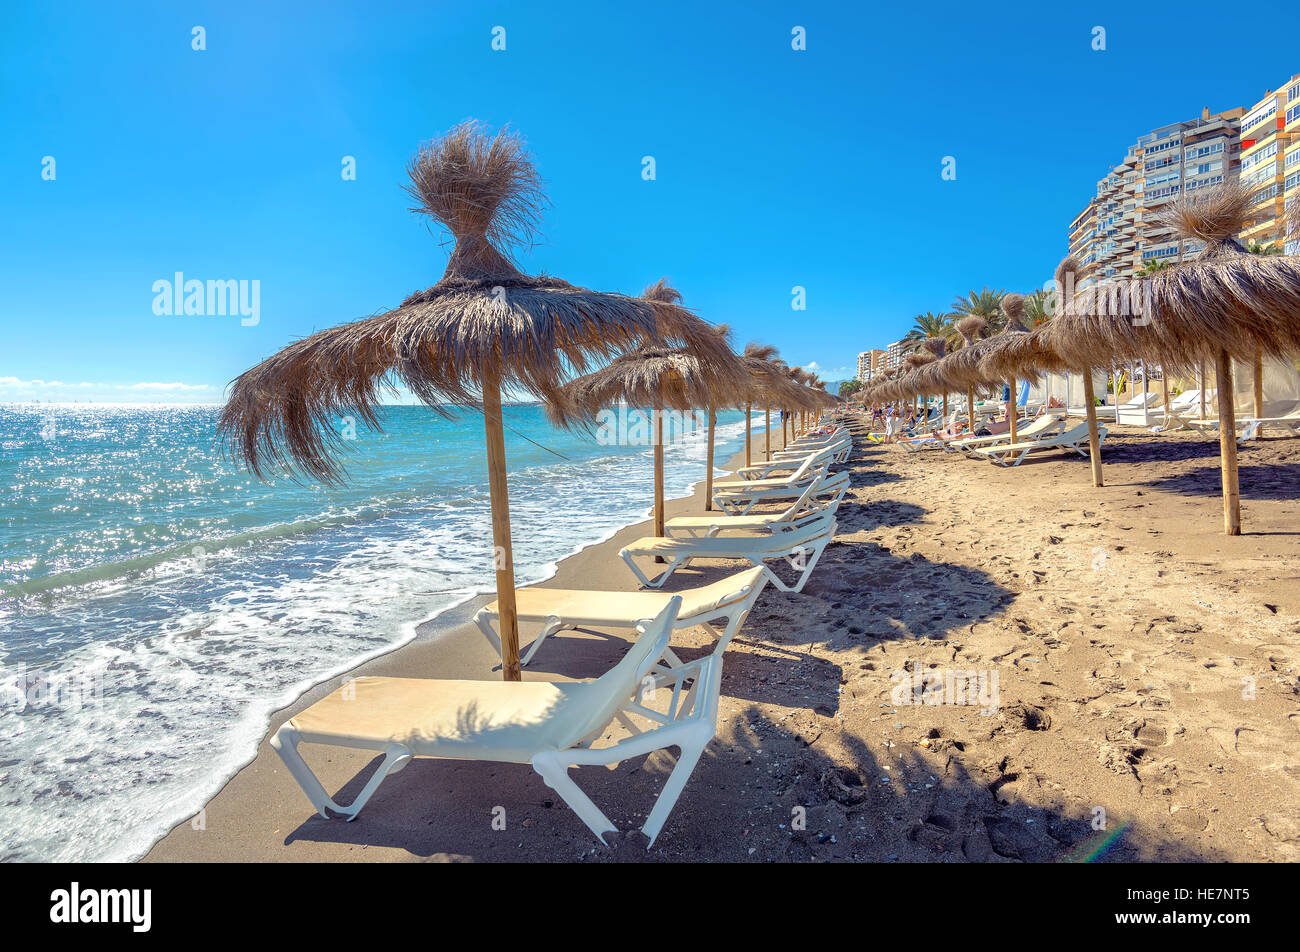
[(1138, 675)]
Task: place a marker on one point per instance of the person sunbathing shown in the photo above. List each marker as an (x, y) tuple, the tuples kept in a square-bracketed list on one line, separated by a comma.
[(994, 429), (954, 430)]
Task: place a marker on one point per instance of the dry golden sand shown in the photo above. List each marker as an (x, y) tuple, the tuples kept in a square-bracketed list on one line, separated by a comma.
[(1146, 669)]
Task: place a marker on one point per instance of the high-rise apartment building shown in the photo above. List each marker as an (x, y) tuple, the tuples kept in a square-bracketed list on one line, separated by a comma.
[(1270, 161), (869, 363), (1117, 231)]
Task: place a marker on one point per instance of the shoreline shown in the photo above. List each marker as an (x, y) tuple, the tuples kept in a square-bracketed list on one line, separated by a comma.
[(448, 645)]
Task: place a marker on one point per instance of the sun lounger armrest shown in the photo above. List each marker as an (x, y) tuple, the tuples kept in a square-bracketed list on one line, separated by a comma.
[(705, 672)]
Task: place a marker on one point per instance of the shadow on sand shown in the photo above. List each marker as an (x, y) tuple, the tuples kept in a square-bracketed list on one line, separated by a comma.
[(1257, 481), (765, 790)]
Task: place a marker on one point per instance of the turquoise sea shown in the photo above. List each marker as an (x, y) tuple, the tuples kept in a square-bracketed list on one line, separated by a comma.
[(158, 603)]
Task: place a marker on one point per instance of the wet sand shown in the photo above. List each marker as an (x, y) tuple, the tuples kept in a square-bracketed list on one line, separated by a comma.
[(1147, 701)]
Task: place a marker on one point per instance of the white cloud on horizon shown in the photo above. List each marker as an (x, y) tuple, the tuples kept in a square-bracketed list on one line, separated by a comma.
[(18, 390), (836, 373)]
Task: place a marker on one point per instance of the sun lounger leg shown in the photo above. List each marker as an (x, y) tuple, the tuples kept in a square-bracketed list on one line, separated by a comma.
[(795, 558), (691, 749), (641, 576), (817, 549), (556, 774), (285, 743), (553, 624), (484, 620)]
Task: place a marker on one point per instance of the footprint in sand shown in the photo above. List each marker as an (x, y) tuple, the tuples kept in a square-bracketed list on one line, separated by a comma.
[(1259, 746), (1145, 732)]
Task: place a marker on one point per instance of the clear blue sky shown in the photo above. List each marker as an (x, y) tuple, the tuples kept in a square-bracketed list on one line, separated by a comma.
[(775, 168)]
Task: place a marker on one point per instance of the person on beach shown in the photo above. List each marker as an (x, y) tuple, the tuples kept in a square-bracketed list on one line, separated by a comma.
[(892, 421)]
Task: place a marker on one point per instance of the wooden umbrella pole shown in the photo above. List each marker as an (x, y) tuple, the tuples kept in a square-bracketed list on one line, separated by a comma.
[(1228, 445), (945, 404), (1164, 392), (708, 465), (749, 409), (1259, 384), (1202, 390), (1012, 409), (1094, 443), (502, 556), (970, 407), (659, 472), (767, 433)]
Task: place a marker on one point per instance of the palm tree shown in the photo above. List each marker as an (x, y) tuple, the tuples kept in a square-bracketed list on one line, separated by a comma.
[(1152, 266), (1272, 248), (929, 324), (986, 304), (1039, 308)]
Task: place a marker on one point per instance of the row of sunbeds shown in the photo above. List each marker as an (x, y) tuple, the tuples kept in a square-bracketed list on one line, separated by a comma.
[(779, 514), (1047, 432)]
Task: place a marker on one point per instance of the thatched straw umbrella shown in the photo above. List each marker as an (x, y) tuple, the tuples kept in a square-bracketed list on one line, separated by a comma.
[(803, 397), (1227, 302), (1013, 307), (484, 326), (938, 348), (818, 399), (767, 383), (963, 364), (1062, 336), (910, 383), (736, 399), (659, 378), (797, 377), (821, 399), (1225, 305)]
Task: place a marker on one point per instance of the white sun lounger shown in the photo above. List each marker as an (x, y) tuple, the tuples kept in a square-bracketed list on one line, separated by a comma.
[(1140, 410), (550, 725), (1248, 428), (800, 548), (840, 435), (824, 488), (821, 438), (836, 446), (729, 599), (734, 490), (1039, 426), (1186, 402), (796, 464), (916, 444), (1074, 439), (803, 510), (791, 467)]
